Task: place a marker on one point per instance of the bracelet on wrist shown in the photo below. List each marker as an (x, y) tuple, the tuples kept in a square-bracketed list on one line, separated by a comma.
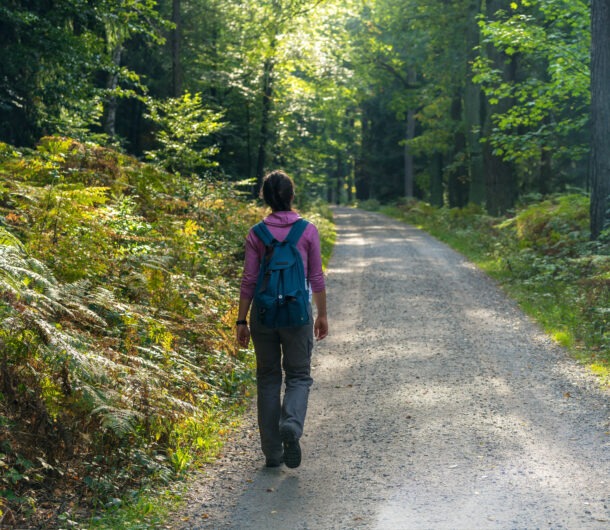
[(241, 323)]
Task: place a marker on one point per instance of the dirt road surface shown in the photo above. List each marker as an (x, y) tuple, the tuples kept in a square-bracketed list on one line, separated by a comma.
[(436, 405)]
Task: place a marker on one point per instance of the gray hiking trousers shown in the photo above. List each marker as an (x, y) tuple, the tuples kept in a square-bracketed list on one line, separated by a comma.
[(276, 349)]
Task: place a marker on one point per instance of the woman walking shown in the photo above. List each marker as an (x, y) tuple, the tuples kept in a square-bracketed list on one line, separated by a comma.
[(282, 352)]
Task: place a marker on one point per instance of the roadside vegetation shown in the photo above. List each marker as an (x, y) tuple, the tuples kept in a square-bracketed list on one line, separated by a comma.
[(118, 366), (121, 230), (542, 256)]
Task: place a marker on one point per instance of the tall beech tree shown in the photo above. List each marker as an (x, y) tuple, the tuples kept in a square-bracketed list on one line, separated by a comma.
[(473, 107), (600, 115), (500, 177)]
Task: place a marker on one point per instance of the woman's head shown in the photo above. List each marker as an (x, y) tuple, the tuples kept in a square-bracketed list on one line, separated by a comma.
[(278, 191)]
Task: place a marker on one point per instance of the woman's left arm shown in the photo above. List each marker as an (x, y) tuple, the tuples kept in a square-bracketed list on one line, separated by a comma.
[(243, 330), (248, 282)]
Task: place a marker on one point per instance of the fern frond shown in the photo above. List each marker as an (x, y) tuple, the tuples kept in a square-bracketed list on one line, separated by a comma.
[(8, 239), (181, 405), (143, 361), (102, 297), (160, 263), (14, 263), (84, 362), (120, 421), (73, 296)]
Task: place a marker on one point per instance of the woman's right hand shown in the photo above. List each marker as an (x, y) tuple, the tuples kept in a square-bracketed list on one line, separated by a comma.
[(320, 327), (243, 335)]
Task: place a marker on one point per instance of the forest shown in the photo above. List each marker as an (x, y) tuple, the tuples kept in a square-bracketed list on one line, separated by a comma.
[(452, 102), (134, 136)]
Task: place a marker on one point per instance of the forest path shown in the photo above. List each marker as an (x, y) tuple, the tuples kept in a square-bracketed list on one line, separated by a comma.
[(436, 404)]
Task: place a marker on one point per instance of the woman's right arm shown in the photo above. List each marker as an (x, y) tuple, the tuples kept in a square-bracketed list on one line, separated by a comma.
[(318, 287), (320, 327)]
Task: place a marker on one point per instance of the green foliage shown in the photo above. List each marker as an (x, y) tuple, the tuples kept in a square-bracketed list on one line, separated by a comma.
[(54, 57), (550, 100), (183, 125), (118, 292), (543, 257), (372, 205), (320, 214), (321, 89), (557, 226), (116, 304)]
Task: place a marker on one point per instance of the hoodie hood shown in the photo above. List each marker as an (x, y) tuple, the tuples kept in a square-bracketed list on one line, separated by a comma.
[(281, 219)]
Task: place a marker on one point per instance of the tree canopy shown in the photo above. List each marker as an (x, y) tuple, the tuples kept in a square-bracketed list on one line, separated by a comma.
[(449, 101)]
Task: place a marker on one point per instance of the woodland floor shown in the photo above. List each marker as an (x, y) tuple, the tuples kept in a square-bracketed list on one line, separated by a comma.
[(436, 404)]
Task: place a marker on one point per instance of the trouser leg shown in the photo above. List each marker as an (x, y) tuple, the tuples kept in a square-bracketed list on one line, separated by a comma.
[(297, 346), (269, 383)]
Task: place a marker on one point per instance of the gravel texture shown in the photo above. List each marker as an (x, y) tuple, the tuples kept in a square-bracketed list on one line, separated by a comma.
[(436, 404)]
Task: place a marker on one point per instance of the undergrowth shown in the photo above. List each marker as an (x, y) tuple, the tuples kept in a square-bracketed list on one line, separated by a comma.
[(542, 256), (119, 371)]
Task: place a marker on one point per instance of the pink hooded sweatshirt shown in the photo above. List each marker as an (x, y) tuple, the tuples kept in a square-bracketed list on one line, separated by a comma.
[(279, 224)]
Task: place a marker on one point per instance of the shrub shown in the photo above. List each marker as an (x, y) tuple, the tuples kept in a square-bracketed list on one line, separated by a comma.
[(556, 226), (118, 285)]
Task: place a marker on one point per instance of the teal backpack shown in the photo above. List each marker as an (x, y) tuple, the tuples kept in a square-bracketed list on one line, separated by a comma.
[(281, 296)]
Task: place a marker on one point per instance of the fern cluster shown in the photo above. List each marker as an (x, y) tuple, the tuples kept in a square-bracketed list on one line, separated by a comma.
[(117, 291)]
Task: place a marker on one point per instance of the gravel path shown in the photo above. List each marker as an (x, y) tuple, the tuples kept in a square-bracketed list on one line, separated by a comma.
[(436, 404)]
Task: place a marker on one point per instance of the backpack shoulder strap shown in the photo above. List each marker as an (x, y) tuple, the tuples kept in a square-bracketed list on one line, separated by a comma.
[(296, 231), (261, 230)]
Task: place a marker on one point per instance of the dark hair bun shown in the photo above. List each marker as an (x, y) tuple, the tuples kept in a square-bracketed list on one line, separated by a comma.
[(278, 191)]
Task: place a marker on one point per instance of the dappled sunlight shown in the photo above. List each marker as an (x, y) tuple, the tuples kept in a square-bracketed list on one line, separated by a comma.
[(522, 464), (436, 404), (436, 425), (351, 241), (343, 270)]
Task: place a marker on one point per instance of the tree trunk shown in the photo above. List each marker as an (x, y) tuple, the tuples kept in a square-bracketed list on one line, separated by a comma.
[(472, 110), (457, 182), (361, 172), (546, 171), (112, 102), (410, 134), (175, 41), (265, 117), (339, 178), (500, 185), (350, 181), (436, 180), (351, 162), (500, 178), (249, 150), (600, 115)]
